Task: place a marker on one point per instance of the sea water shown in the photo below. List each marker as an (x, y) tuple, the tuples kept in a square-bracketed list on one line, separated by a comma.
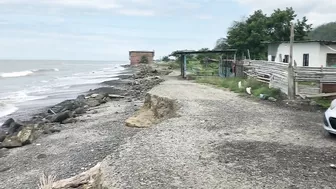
[(28, 85)]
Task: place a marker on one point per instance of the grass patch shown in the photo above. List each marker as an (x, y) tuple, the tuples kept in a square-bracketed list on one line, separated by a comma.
[(232, 84), (323, 102)]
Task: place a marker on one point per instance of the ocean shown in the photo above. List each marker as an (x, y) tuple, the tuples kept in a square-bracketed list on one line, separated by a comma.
[(26, 86)]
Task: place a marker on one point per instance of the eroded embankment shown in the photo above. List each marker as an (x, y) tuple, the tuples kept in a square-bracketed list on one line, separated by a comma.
[(154, 110)]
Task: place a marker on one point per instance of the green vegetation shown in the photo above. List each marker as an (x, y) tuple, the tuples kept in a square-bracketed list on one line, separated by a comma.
[(324, 32), (165, 59), (258, 27), (323, 102), (144, 60), (232, 84)]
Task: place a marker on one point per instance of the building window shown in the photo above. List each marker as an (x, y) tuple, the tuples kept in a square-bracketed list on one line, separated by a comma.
[(305, 59), (273, 58), (286, 60), (331, 60)]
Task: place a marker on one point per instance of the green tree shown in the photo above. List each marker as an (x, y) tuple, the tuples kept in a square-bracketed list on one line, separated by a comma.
[(221, 44), (251, 32), (144, 60), (165, 59), (324, 32)]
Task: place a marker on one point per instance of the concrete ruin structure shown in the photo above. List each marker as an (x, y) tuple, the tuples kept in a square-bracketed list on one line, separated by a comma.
[(137, 57)]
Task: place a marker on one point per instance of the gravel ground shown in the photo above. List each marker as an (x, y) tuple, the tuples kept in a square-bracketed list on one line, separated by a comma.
[(78, 147), (222, 140)]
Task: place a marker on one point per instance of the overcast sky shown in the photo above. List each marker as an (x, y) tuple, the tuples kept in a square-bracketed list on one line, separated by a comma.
[(108, 29)]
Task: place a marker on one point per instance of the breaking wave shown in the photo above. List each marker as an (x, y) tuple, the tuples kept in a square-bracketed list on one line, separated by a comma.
[(6, 109), (26, 72)]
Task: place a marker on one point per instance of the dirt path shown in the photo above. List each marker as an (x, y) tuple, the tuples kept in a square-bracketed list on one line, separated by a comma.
[(224, 141)]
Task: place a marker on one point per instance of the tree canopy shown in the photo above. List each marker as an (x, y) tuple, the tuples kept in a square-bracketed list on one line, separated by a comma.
[(324, 32), (258, 27)]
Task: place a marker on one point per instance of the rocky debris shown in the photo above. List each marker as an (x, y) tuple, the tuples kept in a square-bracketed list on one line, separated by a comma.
[(60, 117), (15, 134), (313, 103), (69, 120), (26, 135), (11, 142), (80, 111), (108, 90), (155, 109), (272, 99), (8, 123), (113, 96)]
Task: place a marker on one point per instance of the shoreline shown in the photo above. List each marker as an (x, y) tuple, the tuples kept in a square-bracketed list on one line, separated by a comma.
[(67, 149)]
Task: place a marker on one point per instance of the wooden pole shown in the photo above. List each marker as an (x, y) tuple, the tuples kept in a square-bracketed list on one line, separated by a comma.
[(184, 66), (291, 80)]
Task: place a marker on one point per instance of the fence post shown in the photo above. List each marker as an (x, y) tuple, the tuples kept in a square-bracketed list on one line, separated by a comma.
[(291, 82), (296, 84)]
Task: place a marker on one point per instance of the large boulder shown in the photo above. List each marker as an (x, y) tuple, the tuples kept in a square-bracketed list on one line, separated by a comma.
[(11, 142), (60, 117), (8, 123), (67, 105), (92, 102), (26, 135), (80, 111)]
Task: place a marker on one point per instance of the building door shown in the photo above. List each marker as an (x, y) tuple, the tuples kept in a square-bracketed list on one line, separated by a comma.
[(286, 60), (305, 59), (331, 60)]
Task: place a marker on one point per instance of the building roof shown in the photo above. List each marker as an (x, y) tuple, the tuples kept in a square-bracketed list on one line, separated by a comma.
[(306, 41), (202, 52), (141, 51), (130, 52)]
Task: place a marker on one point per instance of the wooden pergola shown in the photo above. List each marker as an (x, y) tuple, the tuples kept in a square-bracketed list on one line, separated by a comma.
[(184, 57)]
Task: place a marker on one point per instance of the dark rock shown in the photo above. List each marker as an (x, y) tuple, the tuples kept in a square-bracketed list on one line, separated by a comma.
[(3, 135), (61, 117), (11, 142), (67, 105), (69, 120), (81, 98), (8, 123), (14, 127), (41, 156), (93, 102), (53, 130), (80, 111), (108, 90)]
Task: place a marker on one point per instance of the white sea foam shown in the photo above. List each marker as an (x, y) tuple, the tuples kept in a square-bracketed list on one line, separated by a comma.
[(26, 72), (17, 74), (6, 109)]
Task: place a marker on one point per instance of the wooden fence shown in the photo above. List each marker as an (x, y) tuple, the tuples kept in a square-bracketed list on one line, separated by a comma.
[(309, 81), (274, 73)]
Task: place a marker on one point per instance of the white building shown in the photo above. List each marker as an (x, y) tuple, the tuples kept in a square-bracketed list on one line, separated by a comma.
[(305, 53)]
